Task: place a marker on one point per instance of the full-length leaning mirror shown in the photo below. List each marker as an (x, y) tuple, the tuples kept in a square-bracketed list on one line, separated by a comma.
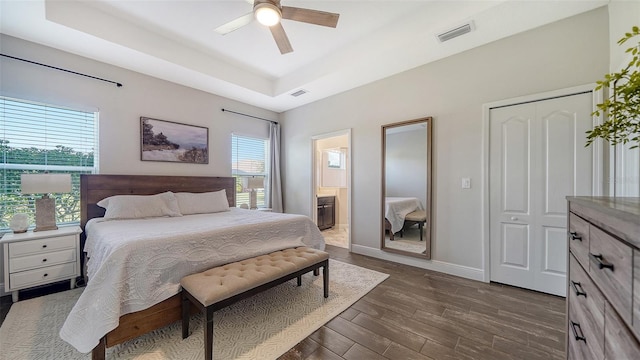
[(406, 187)]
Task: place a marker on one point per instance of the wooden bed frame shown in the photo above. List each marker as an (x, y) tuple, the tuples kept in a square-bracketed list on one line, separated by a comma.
[(94, 188)]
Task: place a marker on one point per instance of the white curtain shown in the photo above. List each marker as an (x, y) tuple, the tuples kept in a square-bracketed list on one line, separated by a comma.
[(274, 185)]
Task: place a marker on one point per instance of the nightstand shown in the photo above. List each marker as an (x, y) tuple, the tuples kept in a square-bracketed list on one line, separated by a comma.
[(40, 258)]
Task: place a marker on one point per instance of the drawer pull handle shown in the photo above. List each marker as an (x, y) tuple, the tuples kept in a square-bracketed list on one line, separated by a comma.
[(575, 236), (600, 261), (575, 288), (575, 332), (44, 260)]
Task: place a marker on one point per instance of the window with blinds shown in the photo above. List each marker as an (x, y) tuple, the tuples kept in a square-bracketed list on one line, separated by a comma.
[(38, 138), (249, 167)]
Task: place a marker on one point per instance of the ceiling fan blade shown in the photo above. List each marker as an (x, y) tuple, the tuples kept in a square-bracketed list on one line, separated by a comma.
[(281, 38), (316, 17), (235, 24)]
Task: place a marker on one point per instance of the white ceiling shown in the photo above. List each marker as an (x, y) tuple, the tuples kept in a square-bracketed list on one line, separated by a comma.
[(175, 40)]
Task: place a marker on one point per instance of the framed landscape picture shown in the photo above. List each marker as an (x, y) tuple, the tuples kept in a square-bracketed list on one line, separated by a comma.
[(163, 140)]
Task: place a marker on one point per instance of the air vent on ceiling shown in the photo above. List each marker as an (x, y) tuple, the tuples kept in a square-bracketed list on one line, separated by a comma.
[(455, 32), (299, 92)]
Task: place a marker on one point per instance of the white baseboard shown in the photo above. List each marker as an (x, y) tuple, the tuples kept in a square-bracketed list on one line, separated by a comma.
[(435, 265)]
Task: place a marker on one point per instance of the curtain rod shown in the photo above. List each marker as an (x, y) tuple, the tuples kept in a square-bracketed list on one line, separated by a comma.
[(61, 69), (251, 116)]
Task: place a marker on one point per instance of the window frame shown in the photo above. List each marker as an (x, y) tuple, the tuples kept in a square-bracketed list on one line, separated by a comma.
[(242, 197), (25, 203)]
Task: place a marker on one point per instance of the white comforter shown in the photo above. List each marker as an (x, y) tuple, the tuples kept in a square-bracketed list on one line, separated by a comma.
[(396, 208), (135, 264)]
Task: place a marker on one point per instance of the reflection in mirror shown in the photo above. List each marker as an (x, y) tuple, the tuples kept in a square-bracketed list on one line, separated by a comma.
[(406, 187)]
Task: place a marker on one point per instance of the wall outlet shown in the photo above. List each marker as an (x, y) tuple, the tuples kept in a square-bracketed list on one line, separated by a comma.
[(466, 183)]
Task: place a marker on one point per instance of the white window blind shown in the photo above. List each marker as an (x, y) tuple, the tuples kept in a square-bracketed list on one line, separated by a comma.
[(249, 159), (37, 138)]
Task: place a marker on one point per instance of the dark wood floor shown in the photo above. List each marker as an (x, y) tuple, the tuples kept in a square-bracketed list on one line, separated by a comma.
[(420, 314)]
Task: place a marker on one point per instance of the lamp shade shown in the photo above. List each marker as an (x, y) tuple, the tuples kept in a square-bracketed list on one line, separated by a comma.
[(45, 183), (256, 182)]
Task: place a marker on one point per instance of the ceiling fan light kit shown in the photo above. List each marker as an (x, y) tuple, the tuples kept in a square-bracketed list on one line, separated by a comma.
[(270, 12), (267, 14)]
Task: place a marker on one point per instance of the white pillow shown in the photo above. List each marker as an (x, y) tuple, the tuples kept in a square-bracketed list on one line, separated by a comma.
[(140, 206), (202, 203)]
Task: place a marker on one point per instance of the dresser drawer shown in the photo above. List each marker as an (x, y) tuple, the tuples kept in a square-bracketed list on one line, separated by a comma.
[(22, 248), (636, 292), (620, 344), (42, 275), (579, 238), (583, 344), (40, 260), (611, 269), (586, 314)]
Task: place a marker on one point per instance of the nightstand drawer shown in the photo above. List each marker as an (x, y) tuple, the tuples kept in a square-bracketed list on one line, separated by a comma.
[(22, 248), (40, 260), (42, 276)]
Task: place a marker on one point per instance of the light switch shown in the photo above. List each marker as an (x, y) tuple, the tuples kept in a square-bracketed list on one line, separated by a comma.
[(466, 183)]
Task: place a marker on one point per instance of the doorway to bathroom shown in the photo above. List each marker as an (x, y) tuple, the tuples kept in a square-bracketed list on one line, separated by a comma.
[(331, 186)]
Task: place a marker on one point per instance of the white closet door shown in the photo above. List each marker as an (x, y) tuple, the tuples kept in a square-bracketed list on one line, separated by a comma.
[(537, 158)]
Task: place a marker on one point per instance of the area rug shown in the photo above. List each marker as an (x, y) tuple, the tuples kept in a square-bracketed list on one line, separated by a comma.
[(261, 327)]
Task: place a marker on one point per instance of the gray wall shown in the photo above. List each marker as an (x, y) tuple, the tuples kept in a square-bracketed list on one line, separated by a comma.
[(120, 108), (567, 53)]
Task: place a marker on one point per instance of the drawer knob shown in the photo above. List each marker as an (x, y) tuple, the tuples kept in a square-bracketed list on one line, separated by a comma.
[(577, 285), (599, 260), (513, 218), (44, 260), (575, 236), (44, 246), (45, 275), (574, 328)]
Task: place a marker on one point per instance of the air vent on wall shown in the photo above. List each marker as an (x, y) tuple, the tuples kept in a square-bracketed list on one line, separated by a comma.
[(299, 92), (455, 32)]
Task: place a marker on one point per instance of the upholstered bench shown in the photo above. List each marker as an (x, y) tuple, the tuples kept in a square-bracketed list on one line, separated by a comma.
[(224, 285), (416, 217)]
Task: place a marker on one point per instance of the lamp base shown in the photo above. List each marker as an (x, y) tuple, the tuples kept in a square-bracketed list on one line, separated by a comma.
[(253, 200), (45, 214)]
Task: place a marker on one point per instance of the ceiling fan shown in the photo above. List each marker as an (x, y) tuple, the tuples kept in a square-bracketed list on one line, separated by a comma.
[(270, 12)]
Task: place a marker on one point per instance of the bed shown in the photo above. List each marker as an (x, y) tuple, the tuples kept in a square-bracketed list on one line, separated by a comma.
[(395, 210), (134, 266)]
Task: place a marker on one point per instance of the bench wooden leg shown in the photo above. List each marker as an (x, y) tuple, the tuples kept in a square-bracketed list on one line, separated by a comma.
[(300, 280), (325, 279), (98, 352), (421, 226), (316, 272), (208, 334), (185, 315)]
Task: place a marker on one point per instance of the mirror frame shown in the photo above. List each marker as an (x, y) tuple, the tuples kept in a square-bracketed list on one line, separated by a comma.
[(428, 206)]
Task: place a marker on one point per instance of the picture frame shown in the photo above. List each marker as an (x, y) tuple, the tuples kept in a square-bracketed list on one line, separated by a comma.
[(168, 141)]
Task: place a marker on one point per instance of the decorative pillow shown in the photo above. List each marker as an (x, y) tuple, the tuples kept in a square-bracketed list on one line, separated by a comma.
[(140, 206), (202, 203)]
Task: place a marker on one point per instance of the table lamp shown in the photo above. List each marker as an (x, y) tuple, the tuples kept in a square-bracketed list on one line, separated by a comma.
[(45, 184), (254, 182)]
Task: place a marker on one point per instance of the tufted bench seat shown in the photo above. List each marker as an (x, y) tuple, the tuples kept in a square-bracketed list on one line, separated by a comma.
[(224, 285), (416, 217)]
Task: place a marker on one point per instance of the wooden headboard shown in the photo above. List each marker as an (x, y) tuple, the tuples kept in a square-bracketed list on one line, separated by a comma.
[(94, 188)]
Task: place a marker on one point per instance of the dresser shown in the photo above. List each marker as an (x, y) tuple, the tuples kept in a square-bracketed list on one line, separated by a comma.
[(603, 294), (40, 258)]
